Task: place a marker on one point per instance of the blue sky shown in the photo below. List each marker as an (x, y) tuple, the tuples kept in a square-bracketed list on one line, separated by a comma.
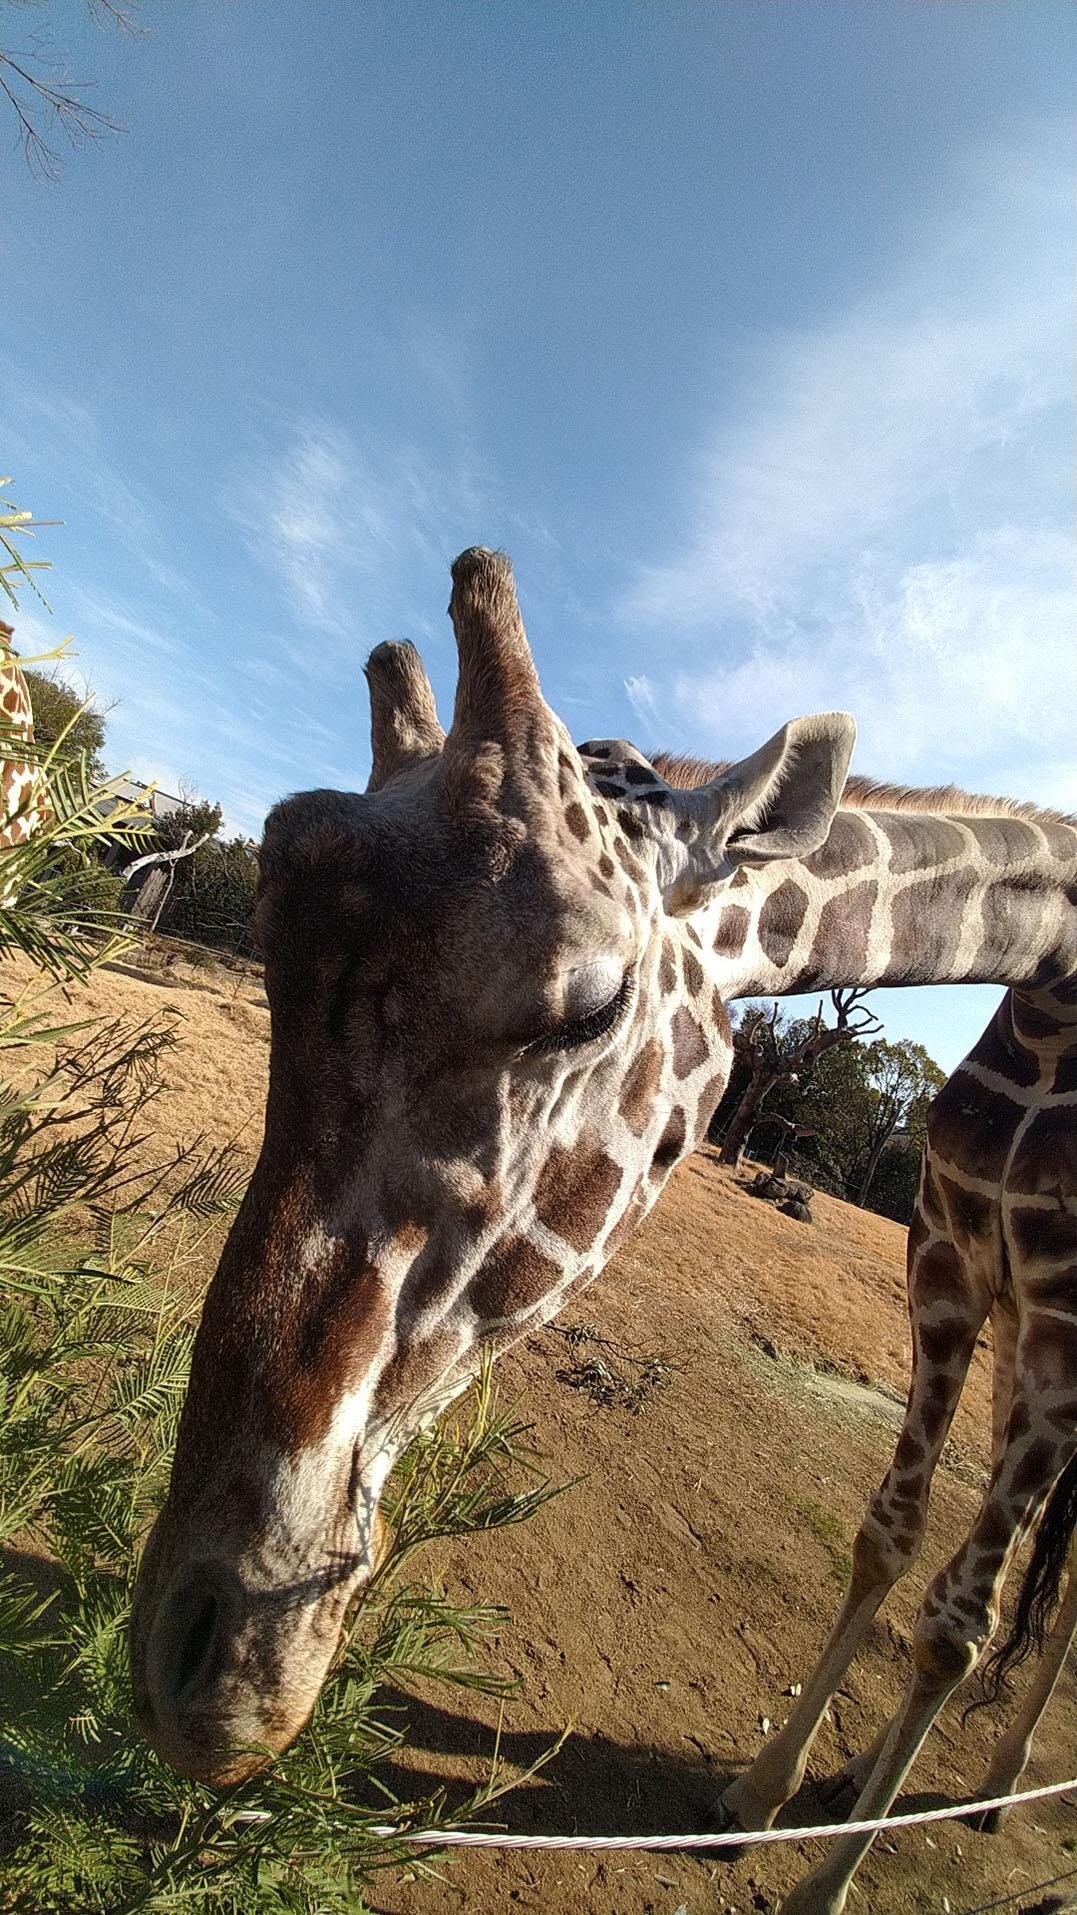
[(743, 326)]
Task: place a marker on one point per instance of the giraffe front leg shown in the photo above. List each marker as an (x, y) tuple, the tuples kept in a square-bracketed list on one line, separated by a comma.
[(1009, 1758), (956, 1621), (754, 1799), (890, 1535), (824, 1891)]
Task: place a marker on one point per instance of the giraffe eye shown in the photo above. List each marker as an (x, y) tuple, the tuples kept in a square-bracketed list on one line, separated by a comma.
[(584, 1030)]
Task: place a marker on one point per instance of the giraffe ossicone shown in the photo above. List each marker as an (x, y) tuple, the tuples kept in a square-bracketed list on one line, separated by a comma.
[(497, 983)]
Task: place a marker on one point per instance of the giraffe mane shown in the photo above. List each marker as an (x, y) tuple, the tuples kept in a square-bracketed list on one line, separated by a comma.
[(875, 794)]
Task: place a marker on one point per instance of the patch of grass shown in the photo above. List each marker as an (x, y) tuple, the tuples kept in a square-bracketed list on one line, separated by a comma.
[(830, 1531)]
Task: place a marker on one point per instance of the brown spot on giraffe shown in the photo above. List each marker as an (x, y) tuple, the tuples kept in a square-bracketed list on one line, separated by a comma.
[(973, 1122), (840, 945), (576, 820), (514, 1277), (993, 1532), (1040, 1234), (693, 973), (936, 1406), (915, 841), (732, 932), (1064, 1080), (1010, 917), (969, 1214), (640, 1087), (1045, 1159), (1005, 1049), (926, 932), (942, 1340), (1019, 1423), (1036, 1468), (780, 921), (1057, 1290), (850, 846), (690, 1047), (671, 1143), (1004, 841), (1049, 1350), (1032, 1022), (575, 1192)]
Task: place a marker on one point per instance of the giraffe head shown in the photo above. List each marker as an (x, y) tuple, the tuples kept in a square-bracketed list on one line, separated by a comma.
[(494, 1032)]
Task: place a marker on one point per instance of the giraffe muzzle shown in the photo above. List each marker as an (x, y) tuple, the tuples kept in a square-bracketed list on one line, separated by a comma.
[(228, 1659)]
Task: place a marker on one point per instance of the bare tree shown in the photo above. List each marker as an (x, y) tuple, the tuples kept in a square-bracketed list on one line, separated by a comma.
[(51, 108), (757, 1044)]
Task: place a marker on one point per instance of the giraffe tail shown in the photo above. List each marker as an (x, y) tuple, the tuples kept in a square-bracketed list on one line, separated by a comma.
[(1040, 1590)]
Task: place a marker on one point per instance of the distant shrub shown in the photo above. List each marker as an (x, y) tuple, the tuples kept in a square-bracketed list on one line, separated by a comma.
[(94, 890), (212, 892), (212, 898)]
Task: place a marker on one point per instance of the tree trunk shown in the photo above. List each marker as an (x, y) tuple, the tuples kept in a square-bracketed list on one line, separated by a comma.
[(874, 1155), (744, 1118)]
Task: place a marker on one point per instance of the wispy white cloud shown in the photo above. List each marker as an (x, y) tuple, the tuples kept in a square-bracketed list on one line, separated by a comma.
[(312, 519), (45, 430), (640, 694), (336, 522), (124, 630), (881, 524), (959, 668)]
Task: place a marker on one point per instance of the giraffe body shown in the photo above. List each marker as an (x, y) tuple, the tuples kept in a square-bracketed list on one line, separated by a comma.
[(994, 1235), (497, 984)]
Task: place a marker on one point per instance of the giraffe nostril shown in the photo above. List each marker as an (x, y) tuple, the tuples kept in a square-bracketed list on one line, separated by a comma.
[(196, 1644)]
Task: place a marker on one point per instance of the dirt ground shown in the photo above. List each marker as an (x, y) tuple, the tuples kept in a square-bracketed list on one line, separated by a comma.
[(661, 1609)]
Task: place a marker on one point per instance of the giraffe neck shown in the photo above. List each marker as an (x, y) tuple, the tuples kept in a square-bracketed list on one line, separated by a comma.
[(904, 897)]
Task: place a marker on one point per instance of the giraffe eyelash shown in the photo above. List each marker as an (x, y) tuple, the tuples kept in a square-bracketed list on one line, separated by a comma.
[(586, 1030)]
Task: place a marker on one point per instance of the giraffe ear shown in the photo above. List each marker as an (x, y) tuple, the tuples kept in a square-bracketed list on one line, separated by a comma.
[(779, 803)]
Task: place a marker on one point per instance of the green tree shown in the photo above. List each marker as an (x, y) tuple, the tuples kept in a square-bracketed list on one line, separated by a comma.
[(64, 719), (194, 818), (856, 1101), (773, 1054), (213, 891)]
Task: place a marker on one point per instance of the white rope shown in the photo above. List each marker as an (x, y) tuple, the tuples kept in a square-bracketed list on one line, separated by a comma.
[(730, 1838)]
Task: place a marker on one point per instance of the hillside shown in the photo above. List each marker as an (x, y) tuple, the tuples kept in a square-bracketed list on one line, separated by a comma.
[(664, 1605)]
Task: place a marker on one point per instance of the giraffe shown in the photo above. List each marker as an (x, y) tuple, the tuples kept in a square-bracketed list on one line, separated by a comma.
[(497, 983)]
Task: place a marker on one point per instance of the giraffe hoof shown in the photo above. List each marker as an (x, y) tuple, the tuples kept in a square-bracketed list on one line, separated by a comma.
[(988, 1822), (836, 1788), (845, 1784), (717, 1819)]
